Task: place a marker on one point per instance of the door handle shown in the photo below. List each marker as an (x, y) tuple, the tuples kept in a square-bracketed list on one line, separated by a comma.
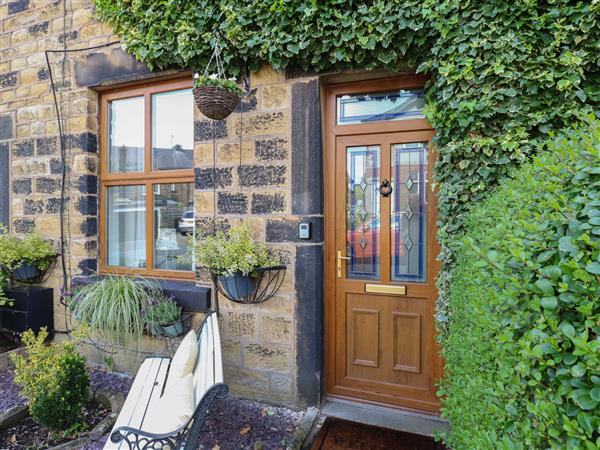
[(339, 263)]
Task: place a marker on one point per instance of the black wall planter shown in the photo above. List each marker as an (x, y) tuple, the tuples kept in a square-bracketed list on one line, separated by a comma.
[(32, 308)]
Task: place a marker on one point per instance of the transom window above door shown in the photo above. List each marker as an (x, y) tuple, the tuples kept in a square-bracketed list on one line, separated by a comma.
[(377, 107), (147, 180)]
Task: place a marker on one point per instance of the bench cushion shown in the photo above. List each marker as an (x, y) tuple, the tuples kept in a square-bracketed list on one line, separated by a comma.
[(173, 409), (184, 360)]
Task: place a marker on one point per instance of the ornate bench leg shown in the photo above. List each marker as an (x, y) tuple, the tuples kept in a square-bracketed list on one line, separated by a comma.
[(218, 390)]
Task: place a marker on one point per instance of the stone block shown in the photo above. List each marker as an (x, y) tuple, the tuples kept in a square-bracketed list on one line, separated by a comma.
[(232, 352), (239, 324), (203, 154), (268, 203), (32, 207), (286, 230), (47, 185), (267, 357), (46, 146), (22, 225), (255, 175), (87, 205), (21, 186), (207, 130), (94, 68), (87, 184), (272, 149), (48, 226), (205, 202), (247, 383), (207, 226), (207, 178), (23, 148), (28, 167), (8, 79), (275, 97), (275, 329), (38, 30), (53, 205), (18, 6), (89, 226), (232, 203), (266, 75), (85, 163), (16, 207), (261, 123), (229, 152), (282, 391)]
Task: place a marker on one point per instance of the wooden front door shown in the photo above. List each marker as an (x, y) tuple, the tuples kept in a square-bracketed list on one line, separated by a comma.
[(381, 246)]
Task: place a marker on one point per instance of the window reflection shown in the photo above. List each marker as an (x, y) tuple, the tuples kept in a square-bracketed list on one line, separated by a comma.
[(173, 130), (126, 226), (366, 108), (126, 129), (173, 225)]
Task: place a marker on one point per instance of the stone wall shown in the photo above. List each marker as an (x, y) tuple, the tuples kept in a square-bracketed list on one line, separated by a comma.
[(272, 351)]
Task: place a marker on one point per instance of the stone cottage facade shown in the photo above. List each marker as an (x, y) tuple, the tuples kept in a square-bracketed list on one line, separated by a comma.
[(266, 166), (260, 343)]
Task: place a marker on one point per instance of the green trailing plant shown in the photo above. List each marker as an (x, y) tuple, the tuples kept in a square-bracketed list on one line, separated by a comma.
[(212, 80), (503, 74), (234, 253), (524, 302), (30, 248), (54, 380), (112, 308), (162, 311)]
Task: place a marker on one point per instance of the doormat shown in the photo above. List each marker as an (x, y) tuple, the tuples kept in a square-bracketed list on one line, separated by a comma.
[(338, 434)]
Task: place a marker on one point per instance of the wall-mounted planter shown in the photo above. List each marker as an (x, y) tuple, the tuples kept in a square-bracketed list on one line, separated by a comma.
[(32, 308), (175, 329), (237, 286)]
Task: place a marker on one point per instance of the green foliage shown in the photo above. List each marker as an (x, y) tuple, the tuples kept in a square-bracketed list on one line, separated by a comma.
[(4, 300), (31, 248), (112, 308), (230, 85), (504, 74), (524, 302), (53, 379), (162, 311), (233, 253)]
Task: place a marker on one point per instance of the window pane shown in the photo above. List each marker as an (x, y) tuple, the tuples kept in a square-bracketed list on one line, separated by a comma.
[(126, 226), (409, 212), (173, 130), (126, 129), (366, 108), (362, 212), (173, 225)]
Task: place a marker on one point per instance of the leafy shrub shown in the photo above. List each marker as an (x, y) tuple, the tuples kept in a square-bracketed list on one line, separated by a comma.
[(54, 380), (162, 311), (233, 253), (31, 249), (523, 349), (4, 300), (112, 308)]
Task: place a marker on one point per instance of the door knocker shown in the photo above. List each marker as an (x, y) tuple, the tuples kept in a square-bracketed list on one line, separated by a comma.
[(386, 188)]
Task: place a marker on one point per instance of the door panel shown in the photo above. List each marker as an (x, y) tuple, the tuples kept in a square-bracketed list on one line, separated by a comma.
[(381, 344)]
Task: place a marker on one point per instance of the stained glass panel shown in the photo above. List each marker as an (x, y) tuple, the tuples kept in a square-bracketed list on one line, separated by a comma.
[(362, 211), (409, 212)]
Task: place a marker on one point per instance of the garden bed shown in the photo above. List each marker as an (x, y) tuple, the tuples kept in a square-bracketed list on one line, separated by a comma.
[(232, 423)]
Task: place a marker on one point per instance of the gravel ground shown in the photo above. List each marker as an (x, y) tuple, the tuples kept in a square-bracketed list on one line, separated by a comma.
[(231, 424)]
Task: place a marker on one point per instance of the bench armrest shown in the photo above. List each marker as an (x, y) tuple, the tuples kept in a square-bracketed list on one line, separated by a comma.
[(183, 437)]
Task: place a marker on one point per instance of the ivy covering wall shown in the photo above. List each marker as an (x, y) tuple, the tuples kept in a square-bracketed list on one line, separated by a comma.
[(503, 74)]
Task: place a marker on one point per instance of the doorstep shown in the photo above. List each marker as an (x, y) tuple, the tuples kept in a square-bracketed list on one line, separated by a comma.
[(382, 416)]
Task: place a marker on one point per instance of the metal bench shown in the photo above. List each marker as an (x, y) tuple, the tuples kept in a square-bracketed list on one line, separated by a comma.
[(129, 432)]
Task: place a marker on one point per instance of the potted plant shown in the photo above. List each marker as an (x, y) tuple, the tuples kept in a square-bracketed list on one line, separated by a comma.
[(113, 308), (216, 97), (164, 315), (25, 259), (233, 259)]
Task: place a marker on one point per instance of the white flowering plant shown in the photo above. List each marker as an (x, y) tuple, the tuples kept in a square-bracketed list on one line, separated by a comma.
[(234, 253), (214, 80)]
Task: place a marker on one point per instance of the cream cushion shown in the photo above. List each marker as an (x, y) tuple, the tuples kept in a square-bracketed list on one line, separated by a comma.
[(173, 409), (184, 360)]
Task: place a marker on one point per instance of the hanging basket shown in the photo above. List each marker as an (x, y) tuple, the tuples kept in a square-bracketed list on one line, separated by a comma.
[(215, 102), (247, 290)]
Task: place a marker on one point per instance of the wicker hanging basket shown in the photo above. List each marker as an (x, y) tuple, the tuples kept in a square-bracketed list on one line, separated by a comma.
[(215, 102)]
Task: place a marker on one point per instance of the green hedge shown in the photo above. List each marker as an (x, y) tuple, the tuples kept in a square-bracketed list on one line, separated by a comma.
[(522, 350)]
